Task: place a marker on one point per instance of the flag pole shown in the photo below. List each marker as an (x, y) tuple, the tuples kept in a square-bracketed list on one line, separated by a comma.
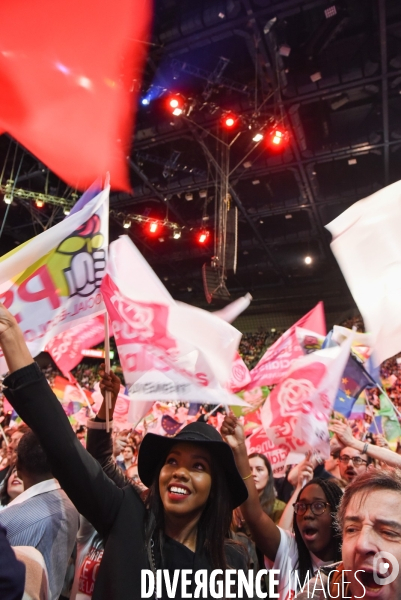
[(373, 414), (85, 397), (107, 367)]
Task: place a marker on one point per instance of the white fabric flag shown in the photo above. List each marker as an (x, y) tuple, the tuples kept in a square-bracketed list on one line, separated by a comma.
[(168, 350), (53, 281), (367, 245), (230, 312)]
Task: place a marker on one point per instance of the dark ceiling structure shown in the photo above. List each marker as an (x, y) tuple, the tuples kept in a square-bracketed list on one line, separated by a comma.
[(328, 72)]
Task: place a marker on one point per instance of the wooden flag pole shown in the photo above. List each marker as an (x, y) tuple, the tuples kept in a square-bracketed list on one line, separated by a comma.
[(107, 367)]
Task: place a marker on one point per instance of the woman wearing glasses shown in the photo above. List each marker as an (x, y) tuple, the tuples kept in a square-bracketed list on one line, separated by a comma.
[(314, 541)]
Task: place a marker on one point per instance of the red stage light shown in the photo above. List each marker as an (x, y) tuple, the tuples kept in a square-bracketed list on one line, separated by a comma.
[(175, 104), (203, 237), (39, 203), (229, 121), (154, 227), (278, 137)]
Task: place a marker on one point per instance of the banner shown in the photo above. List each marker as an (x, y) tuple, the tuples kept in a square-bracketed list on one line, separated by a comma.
[(279, 357), (295, 415), (71, 76), (367, 246), (240, 376), (52, 282), (169, 351)]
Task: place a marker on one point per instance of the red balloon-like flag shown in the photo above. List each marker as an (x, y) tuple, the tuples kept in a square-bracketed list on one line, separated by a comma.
[(70, 74)]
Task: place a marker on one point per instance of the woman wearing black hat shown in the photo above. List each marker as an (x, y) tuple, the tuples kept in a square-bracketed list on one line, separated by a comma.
[(194, 485)]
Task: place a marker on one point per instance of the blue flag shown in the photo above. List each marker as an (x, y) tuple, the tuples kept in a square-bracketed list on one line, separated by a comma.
[(353, 381)]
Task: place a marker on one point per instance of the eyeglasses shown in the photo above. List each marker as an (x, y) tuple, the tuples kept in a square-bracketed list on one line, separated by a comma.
[(317, 507), (357, 461)]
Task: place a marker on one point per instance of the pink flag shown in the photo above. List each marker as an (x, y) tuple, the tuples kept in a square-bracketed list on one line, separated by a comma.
[(278, 358), (66, 348), (259, 443), (296, 413), (240, 376)]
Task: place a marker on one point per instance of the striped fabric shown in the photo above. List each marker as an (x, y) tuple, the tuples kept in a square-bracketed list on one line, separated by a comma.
[(48, 522)]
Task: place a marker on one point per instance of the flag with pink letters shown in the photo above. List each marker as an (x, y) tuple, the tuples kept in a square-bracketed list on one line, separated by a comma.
[(295, 415), (279, 357), (169, 351), (52, 282)]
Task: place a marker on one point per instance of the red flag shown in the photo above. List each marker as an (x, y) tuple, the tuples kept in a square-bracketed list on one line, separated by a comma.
[(70, 73), (278, 358)]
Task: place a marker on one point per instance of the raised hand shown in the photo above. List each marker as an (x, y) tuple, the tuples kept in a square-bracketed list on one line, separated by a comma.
[(109, 383), (233, 432), (343, 432), (7, 321)]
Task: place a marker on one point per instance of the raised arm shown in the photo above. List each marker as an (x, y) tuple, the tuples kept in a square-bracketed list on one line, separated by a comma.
[(93, 494), (344, 435), (265, 533), (305, 474), (99, 442)]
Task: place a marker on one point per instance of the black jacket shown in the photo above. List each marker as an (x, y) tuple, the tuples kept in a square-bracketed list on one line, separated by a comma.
[(117, 514)]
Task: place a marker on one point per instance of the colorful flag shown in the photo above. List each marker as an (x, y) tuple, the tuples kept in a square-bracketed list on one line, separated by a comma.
[(71, 76), (52, 282), (71, 397), (169, 351), (353, 381), (279, 357), (295, 415), (358, 409), (367, 245), (390, 423)]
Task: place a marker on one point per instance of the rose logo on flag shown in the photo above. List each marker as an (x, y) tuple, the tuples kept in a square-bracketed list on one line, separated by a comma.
[(139, 318), (296, 392)]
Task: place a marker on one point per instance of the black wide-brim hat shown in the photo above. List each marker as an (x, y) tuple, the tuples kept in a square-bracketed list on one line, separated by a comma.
[(155, 448)]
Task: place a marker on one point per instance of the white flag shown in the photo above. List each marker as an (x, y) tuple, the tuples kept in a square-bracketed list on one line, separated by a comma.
[(367, 245), (168, 350)]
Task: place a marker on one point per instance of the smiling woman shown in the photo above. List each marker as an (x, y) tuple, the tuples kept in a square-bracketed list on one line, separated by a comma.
[(193, 480)]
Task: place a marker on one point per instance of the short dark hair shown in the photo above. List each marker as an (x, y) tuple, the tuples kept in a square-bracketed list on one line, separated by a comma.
[(375, 479), (31, 457)]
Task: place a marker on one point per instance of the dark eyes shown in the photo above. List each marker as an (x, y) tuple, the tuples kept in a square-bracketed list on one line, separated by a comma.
[(198, 466)]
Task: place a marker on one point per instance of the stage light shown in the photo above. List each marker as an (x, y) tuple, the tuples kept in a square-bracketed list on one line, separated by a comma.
[(175, 104), (203, 236), (257, 137), (145, 101), (154, 227), (39, 203), (177, 234), (308, 260), (229, 120), (8, 198), (277, 137), (66, 211), (126, 223)]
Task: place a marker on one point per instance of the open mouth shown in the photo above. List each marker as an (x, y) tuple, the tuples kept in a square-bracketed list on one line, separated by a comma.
[(366, 578), (310, 534)]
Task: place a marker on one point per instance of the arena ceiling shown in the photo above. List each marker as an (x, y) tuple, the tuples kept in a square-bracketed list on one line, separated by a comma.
[(328, 72)]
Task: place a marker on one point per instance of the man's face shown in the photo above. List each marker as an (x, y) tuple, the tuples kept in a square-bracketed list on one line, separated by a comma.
[(348, 469), (372, 524)]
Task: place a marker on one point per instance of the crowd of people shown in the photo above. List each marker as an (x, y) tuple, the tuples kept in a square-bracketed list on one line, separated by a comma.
[(89, 522)]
